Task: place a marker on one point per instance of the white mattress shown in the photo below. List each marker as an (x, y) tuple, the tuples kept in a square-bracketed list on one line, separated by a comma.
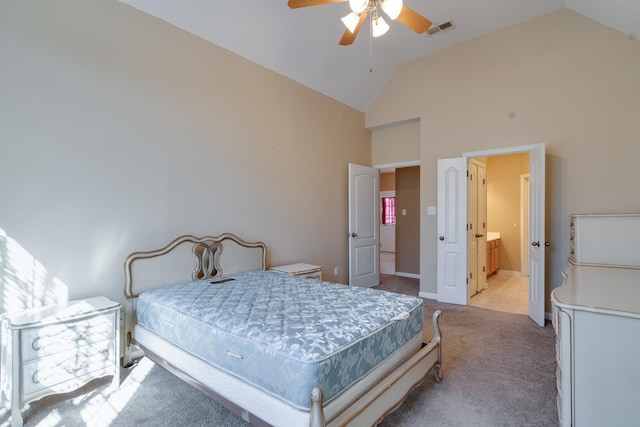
[(284, 334), (263, 405)]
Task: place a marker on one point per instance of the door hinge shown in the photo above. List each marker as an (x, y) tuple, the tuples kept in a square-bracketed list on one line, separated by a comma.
[(467, 282), (483, 269)]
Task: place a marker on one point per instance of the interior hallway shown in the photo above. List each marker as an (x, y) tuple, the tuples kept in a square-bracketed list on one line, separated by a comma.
[(504, 292)]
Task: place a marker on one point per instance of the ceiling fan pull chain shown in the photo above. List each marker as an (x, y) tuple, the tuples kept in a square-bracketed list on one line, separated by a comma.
[(370, 44)]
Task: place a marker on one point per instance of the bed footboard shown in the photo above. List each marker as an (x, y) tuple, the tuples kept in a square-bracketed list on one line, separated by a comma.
[(368, 410), (389, 394)]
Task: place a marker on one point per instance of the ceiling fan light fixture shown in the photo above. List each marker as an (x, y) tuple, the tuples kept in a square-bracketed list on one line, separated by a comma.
[(358, 6), (392, 8), (351, 21), (378, 26)]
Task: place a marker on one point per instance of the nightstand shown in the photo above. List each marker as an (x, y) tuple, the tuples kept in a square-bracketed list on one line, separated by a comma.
[(57, 349), (301, 270)]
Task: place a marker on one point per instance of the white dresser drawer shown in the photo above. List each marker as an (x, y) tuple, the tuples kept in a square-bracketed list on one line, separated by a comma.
[(38, 342), (54, 373)]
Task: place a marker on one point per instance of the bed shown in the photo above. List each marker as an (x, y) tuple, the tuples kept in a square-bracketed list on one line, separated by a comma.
[(275, 349)]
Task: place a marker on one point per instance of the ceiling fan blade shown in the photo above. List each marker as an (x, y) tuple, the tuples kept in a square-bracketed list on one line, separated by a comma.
[(414, 20), (348, 37), (294, 4)]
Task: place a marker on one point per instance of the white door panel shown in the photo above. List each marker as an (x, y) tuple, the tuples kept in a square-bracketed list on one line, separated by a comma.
[(482, 227), (452, 231), (537, 234), (364, 216)]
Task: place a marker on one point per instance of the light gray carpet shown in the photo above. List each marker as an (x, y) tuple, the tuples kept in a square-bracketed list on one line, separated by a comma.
[(499, 370)]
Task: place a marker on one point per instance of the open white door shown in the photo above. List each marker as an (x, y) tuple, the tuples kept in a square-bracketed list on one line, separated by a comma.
[(364, 219), (536, 223), (537, 234), (452, 231)]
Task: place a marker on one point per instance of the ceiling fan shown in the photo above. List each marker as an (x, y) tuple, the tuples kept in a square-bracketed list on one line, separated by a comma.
[(394, 9)]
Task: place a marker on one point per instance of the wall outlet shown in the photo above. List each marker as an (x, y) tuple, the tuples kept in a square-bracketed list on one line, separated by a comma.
[(336, 271)]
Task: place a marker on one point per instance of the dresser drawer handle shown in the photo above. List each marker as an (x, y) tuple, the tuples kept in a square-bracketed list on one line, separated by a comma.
[(37, 345), (74, 369), (70, 368)]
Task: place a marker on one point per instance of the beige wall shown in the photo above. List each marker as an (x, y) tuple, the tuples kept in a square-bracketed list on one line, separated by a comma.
[(561, 79), (399, 144), (503, 205), (120, 132), (408, 226)]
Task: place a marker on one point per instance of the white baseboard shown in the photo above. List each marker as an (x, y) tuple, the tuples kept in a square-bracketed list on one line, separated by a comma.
[(409, 275), (428, 295)]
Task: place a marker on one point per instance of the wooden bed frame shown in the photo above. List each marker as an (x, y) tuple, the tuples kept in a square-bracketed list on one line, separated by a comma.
[(228, 254)]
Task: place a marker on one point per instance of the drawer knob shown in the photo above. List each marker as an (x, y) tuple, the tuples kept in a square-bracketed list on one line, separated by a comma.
[(36, 344)]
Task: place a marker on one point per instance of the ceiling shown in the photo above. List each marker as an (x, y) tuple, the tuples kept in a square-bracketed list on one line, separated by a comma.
[(302, 44)]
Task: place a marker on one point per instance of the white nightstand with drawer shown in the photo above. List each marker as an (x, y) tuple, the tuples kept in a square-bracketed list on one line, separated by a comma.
[(57, 349), (301, 269)]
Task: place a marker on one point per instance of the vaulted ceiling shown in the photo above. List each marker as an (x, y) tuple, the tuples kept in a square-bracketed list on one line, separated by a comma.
[(302, 44)]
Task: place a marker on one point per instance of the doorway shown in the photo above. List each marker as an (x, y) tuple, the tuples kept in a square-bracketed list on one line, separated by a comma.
[(452, 241), (400, 225), (388, 221), (498, 270)]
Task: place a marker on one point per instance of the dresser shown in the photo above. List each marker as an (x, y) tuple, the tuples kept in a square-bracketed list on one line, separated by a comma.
[(309, 271), (596, 316), (610, 240), (56, 349)]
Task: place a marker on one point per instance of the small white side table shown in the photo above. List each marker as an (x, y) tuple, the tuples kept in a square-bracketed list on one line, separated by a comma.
[(309, 271), (57, 349)]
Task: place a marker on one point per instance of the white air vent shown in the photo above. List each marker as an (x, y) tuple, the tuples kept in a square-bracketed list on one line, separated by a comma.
[(445, 26)]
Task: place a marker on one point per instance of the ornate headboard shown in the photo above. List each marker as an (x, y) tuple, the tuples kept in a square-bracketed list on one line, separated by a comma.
[(186, 258), (191, 258)]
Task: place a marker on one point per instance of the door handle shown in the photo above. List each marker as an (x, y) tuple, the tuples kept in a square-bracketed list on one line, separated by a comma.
[(441, 237), (353, 235), (479, 235), (535, 244), (547, 244)]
